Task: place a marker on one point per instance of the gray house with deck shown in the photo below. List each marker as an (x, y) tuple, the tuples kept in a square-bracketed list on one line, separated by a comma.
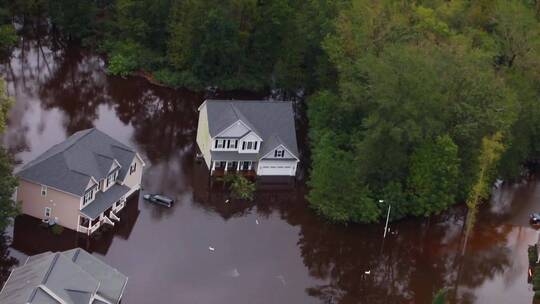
[(69, 277), (81, 183), (257, 137)]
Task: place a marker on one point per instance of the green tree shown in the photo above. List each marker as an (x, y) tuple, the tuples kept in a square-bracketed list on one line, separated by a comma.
[(335, 191), (433, 177), (8, 208)]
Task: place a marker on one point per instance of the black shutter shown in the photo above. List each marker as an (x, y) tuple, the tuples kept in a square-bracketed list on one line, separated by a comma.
[(243, 145), (255, 146)]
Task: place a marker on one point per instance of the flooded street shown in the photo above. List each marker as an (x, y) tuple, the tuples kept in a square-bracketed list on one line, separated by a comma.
[(273, 250)]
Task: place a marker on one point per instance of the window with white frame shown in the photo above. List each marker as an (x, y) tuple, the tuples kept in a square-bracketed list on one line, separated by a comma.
[(43, 190), (250, 145), (88, 196), (279, 153), (48, 212), (133, 168), (220, 143), (112, 178)]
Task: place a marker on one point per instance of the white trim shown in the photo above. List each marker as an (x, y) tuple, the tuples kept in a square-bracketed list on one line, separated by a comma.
[(283, 146), (100, 298), (202, 104), (5, 283), (43, 190), (234, 124), (51, 293), (245, 135), (140, 158)]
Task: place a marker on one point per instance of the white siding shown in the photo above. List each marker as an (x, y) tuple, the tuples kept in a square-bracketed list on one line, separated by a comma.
[(134, 180), (249, 137), (235, 130), (203, 135)]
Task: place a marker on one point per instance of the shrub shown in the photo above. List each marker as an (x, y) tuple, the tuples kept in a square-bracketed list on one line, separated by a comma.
[(8, 37), (533, 254), (124, 58), (536, 279), (241, 187), (440, 297), (57, 229)]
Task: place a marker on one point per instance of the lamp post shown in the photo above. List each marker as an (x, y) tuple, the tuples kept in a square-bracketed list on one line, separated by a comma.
[(387, 217)]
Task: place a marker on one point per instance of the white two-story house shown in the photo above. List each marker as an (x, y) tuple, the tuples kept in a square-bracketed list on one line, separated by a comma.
[(248, 136), (82, 182)]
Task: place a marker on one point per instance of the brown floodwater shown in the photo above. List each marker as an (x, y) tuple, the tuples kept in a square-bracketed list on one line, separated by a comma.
[(272, 250)]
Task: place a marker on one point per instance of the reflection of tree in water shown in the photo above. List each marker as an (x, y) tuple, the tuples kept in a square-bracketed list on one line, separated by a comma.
[(164, 120), (6, 261), (77, 86), (412, 266)]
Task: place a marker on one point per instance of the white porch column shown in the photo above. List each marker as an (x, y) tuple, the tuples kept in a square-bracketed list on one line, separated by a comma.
[(213, 167), (238, 166), (226, 165)]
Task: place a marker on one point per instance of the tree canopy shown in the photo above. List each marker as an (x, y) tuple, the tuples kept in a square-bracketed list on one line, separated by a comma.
[(400, 95)]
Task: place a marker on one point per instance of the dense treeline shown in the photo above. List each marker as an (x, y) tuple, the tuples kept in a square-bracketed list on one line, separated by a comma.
[(418, 103), (240, 44), (430, 95)]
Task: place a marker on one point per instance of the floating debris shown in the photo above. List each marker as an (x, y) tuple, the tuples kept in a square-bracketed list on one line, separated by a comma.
[(367, 271), (226, 201), (257, 221), (282, 279), (234, 273), (211, 248)]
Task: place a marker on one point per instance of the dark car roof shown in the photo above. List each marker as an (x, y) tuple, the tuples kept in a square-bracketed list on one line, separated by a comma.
[(162, 197)]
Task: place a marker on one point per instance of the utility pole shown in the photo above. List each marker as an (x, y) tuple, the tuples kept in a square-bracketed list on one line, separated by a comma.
[(387, 218)]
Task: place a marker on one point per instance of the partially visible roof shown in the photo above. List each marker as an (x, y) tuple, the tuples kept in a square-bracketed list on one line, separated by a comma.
[(69, 165), (269, 119), (104, 200), (112, 282), (73, 276)]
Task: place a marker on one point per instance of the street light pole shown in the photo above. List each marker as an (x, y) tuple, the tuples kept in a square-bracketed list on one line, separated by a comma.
[(387, 218)]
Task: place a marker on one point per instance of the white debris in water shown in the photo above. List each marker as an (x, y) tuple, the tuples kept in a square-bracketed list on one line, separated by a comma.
[(367, 271), (282, 279), (234, 273), (257, 221), (211, 248), (226, 201)]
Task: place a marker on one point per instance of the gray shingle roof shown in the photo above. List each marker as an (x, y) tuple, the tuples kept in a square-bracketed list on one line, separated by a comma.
[(112, 282), (271, 120), (233, 156), (69, 165), (104, 200), (73, 276)]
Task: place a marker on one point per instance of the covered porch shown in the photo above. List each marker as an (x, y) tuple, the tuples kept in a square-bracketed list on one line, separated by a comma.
[(244, 167), (103, 210)]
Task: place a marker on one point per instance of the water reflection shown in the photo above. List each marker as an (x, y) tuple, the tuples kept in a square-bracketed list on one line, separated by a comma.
[(30, 237), (273, 250)]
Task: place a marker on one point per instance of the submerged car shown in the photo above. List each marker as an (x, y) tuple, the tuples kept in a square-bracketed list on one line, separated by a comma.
[(159, 199), (534, 218)]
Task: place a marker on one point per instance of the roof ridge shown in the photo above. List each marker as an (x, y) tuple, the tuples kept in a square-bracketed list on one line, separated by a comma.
[(31, 164), (48, 273)]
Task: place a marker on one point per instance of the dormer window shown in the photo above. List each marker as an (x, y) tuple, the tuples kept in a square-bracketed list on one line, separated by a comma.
[(279, 153), (249, 145), (111, 179), (88, 196)]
